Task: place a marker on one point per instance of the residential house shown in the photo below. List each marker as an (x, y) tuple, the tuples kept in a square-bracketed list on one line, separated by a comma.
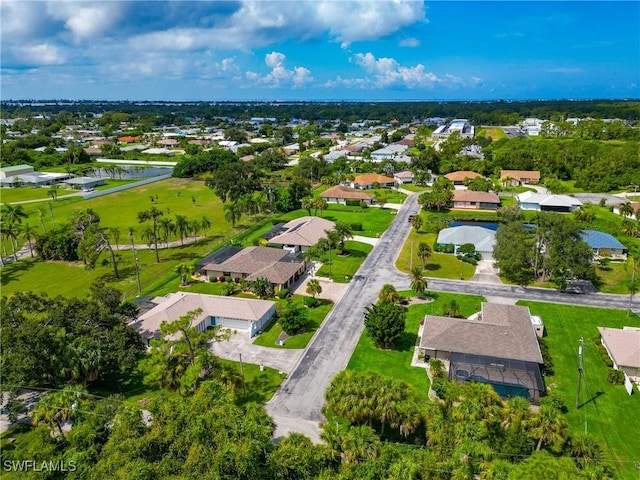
[(280, 267), (604, 245), (390, 152), (623, 346), (299, 234), (497, 346), (334, 155), (84, 182), (15, 171), (405, 176), (462, 177), (128, 139), (484, 239), (547, 203), (342, 193), (244, 314), (635, 206), (168, 142), (516, 178), (367, 181), (468, 199)]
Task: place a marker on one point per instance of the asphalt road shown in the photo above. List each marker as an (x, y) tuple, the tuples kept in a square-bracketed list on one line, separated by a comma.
[(298, 404), (302, 395)]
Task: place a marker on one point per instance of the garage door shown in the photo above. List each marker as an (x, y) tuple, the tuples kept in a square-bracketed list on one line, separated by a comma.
[(231, 323)]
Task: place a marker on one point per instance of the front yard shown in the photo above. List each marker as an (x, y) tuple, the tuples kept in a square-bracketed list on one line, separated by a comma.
[(342, 268)]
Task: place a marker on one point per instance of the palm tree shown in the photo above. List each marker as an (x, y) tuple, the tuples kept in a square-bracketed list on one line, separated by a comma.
[(41, 214), (307, 203), (182, 227), (114, 232), (232, 213), (152, 214), (424, 252), (360, 443), (626, 209), (132, 231), (166, 227), (343, 231), (388, 293), (56, 409), (184, 270), (417, 222), (549, 427), (205, 224), (13, 213), (53, 192), (11, 231), (451, 309), (418, 282), (319, 204), (314, 288), (28, 234), (629, 227)]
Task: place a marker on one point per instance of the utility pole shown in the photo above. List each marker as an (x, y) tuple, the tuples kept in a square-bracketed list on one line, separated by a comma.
[(580, 369), (411, 257)]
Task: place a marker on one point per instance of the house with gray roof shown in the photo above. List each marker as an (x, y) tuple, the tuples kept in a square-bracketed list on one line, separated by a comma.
[(604, 245), (300, 234), (623, 346), (280, 267), (547, 203), (484, 239), (236, 313), (497, 345)]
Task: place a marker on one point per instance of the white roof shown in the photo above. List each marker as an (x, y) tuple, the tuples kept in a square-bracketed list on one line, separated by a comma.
[(178, 304), (484, 239), (548, 200)]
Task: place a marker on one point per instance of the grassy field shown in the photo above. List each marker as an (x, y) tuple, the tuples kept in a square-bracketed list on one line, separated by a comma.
[(495, 133), (415, 188), (344, 267), (439, 265), (392, 196), (374, 220), (615, 278), (396, 362), (316, 316), (605, 410)]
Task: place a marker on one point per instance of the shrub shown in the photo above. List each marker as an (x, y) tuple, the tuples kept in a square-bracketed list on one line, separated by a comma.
[(443, 248), (294, 320), (439, 387), (310, 302), (616, 377), (470, 260), (356, 227), (283, 293), (364, 204), (228, 289), (352, 202), (437, 368), (221, 279)]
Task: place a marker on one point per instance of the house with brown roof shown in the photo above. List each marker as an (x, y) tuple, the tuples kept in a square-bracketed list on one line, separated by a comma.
[(405, 176), (299, 234), (635, 206), (462, 177), (623, 346), (342, 193), (516, 178), (497, 346), (367, 181), (168, 142), (468, 199), (242, 314), (128, 139), (280, 267)]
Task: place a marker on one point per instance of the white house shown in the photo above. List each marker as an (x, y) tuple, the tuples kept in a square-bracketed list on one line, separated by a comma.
[(547, 203), (623, 346)]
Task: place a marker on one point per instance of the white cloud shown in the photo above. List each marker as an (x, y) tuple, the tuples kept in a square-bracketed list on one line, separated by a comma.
[(85, 19), (279, 74), (409, 42), (19, 18), (42, 54), (387, 72)]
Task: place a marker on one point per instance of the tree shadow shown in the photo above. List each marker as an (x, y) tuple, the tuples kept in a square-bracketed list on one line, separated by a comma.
[(433, 266), (406, 342), (12, 271)]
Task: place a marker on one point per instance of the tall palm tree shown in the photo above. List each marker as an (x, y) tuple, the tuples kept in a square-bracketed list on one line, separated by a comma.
[(28, 234), (549, 427), (13, 213), (114, 232), (360, 444), (153, 214), (166, 227), (184, 270), (417, 222), (132, 231), (314, 288), (11, 231), (232, 213), (418, 282), (205, 225), (626, 209), (343, 231), (41, 214), (306, 204), (182, 227), (424, 253), (53, 192)]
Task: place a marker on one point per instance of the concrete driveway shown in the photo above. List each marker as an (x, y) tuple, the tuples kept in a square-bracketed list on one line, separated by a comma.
[(330, 290), (241, 344), (486, 272)]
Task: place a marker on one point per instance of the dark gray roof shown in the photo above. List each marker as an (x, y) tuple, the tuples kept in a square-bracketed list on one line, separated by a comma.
[(502, 331)]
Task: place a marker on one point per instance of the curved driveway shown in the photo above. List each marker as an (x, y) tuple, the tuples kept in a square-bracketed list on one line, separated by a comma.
[(298, 404)]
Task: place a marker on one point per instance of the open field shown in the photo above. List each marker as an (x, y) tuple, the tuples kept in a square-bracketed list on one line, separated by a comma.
[(374, 220), (495, 133), (396, 363), (605, 410), (439, 265), (22, 194), (343, 268), (315, 315)]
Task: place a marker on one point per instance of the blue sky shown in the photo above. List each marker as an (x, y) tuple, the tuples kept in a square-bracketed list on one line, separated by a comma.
[(319, 50)]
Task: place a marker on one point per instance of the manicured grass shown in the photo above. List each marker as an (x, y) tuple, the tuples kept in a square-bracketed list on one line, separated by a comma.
[(439, 265), (614, 277), (414, 188), (392, 196), (605, 410), (343, 268), (396, 363), (316, 315), (374, 220)]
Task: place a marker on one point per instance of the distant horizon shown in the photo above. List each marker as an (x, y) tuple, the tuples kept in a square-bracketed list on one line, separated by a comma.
[(320, 50)]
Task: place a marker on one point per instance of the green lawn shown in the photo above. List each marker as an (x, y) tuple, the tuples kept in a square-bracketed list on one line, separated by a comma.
[(392, 196), (615, 278), (606, 410), (374, 220), (495, 133), (342, 268), (439, 265), (414, 188), (316, 316), (396, 363)]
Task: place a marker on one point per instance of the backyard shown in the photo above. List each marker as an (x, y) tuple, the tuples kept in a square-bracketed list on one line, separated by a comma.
[(605, 410)]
